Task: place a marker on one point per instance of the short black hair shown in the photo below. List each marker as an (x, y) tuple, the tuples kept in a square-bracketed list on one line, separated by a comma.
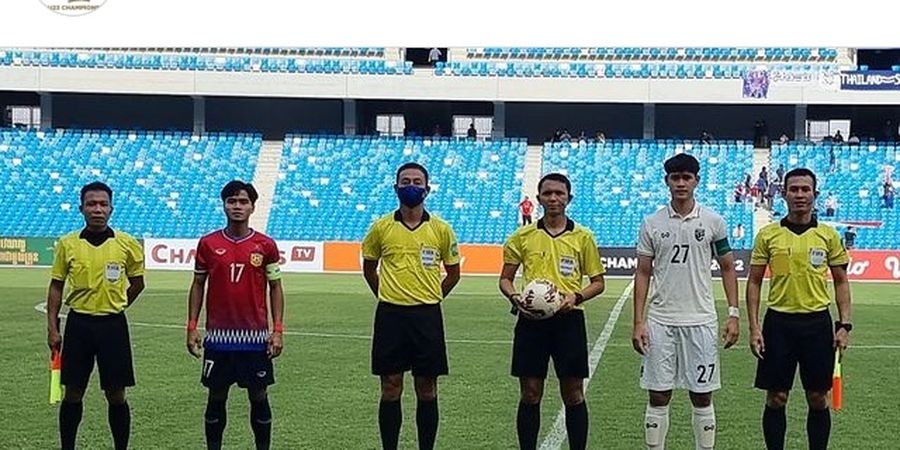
[(556, 177), (95, 186), (411, 165), (682, 162), (235, 186), (800, 172)]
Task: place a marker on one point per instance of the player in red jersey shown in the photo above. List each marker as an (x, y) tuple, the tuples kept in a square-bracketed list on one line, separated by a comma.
[(238, 264)]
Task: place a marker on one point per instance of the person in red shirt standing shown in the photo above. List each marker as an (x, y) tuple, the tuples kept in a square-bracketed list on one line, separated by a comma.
[(237, 265), (527, 208)]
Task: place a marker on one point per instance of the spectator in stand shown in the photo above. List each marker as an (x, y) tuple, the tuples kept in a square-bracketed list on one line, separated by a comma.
[(772, 193), (764, 174), (705, 137), (434, 56), (888, 196), (887, 174), (853, 139), (837, 137), (527, 207), (738, 193), (761, 186), (779, 174), (830, 205), (472, 133), (565, 136), (784, 139), (850, 238), (738, 235), (832, 160), (601, 138)]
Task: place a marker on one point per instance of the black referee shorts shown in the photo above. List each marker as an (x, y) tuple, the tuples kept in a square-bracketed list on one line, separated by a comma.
[(562, 337), (409, 338), (792, 339), (104, 338)]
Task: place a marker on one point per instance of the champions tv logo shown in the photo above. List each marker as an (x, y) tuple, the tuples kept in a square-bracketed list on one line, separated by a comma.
[(73, 7)]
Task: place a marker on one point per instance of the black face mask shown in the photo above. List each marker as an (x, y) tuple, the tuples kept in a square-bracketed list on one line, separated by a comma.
[(412, 195)]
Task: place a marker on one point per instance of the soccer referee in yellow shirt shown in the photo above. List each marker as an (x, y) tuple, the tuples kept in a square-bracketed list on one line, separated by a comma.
[(797, 329), (558, 250), (411, 245), (104, 269)]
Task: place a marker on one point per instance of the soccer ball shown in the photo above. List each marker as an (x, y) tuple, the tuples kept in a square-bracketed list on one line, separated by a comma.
[(540, 300)]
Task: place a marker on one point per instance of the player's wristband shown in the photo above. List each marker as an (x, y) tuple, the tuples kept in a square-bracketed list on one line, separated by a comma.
[(278, 327), (192, 325), (734, 311)]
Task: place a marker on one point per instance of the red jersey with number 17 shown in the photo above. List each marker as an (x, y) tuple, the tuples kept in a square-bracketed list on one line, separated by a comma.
[(236, 312)]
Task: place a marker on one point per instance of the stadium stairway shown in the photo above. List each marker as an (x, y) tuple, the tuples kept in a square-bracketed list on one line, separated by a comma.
[(531, 173), (264, 181), (761, 158)]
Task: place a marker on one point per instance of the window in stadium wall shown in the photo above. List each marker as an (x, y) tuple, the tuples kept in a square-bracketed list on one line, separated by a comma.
[(390, 124), (484, 125), (24, 116), (818, 129)]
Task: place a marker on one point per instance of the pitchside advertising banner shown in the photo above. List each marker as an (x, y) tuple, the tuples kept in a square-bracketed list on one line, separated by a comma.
[(21, 251), (870, 80), (179, 254), (622, 261), (305, 256)]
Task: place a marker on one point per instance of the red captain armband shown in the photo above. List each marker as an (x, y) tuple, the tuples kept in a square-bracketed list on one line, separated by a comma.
[(192, 325), (278, 327)]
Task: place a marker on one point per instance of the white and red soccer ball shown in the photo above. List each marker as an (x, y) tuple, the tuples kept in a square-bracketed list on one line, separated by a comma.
[(539, 300)]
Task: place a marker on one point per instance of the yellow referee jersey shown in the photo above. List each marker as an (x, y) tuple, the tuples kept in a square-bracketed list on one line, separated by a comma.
[(563, 259), (410, 258), (798, 264), (96, 276)]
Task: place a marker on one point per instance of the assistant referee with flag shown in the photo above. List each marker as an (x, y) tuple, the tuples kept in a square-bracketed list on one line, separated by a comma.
[(797, 330), (104, 269)]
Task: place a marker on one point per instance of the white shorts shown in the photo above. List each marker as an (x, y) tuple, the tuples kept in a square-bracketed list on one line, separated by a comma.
[(681, 357)]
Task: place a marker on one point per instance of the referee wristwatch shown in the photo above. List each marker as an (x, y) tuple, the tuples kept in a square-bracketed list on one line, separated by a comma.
[(579, 298), (838, 326)]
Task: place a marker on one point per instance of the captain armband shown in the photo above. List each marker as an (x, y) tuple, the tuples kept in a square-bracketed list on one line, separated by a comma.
[(273, 272)]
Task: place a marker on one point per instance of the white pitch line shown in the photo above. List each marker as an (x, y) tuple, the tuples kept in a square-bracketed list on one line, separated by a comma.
[(42, 307), (554, 440)]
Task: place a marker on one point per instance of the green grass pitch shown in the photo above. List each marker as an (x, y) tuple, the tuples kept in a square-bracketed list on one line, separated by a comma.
[(325, 397)]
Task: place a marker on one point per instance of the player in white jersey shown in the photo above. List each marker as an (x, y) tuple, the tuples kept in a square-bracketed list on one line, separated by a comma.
[(678, 336)]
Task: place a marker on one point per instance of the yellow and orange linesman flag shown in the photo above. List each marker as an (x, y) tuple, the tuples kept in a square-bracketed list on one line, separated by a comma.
[(55, 384), (837, 385)]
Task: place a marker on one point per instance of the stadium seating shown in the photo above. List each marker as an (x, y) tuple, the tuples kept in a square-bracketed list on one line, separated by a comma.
[(166, 184), (353, 52), (856, 183), (638, 70), (332, 188), (770, 54), (218, 62), (613, 200)]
